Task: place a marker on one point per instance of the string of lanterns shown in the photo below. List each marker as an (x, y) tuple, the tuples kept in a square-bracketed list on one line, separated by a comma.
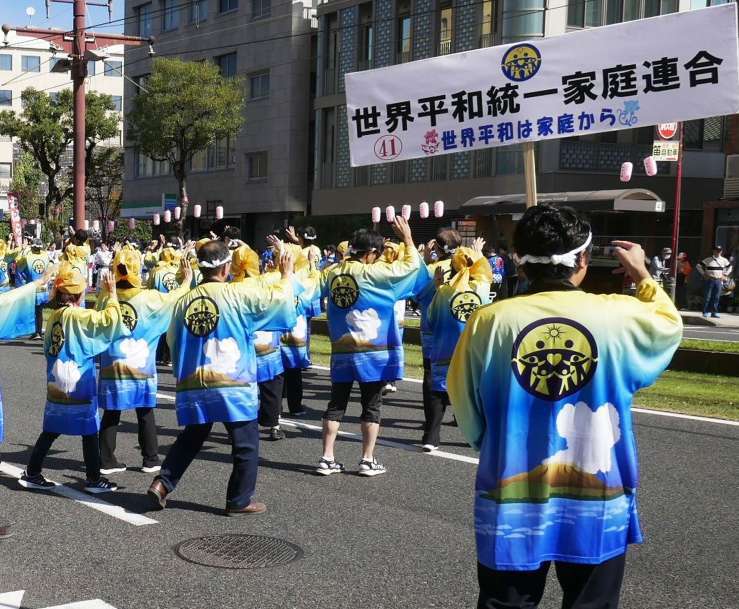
[(405, 212), (650, 167)]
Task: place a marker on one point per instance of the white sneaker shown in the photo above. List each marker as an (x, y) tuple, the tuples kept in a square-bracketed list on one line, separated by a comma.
[(148, 469), (429, 448), (371, 468), (115, 469), (326, 467), (389, 388)]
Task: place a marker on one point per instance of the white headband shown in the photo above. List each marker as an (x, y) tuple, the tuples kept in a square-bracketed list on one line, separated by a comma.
[(568, 259), (307, 238), (204, 264), (354, 250)]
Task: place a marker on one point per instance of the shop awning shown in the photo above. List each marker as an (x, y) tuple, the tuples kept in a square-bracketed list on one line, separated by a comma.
[(632, 199)]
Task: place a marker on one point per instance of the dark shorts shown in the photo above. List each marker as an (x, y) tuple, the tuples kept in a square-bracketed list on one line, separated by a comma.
[(371, 400)]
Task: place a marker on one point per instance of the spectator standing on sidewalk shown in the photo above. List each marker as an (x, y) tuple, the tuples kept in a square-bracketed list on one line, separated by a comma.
[(715, 270)]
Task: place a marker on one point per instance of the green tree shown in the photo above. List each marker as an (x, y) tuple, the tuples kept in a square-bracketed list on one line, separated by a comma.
[(44, 129), (185, 108), (26, 183), (105, 185)]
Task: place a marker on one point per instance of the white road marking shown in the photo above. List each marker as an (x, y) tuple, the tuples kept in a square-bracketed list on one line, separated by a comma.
[(689, 417), (88, 500), (390, 443), (93, 604), (11, 600)]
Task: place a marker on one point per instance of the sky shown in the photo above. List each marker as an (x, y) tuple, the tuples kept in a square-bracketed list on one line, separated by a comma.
[(60, 15)]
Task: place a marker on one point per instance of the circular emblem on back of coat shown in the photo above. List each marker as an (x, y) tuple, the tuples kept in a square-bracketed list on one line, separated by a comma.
[(554, 357), (201, 316), (169, 281), (344, 291), (3, 265), (38, 266), (465, 304), (57, 339), (130, 315)]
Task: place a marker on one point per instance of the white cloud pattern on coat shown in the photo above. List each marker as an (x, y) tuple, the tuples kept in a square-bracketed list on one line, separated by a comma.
[(223, 354), (136, 352), (363, 325), (66, 376), (590, 436)]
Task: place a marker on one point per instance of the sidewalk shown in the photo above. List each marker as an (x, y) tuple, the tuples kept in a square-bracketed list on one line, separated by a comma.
[(727, 320)]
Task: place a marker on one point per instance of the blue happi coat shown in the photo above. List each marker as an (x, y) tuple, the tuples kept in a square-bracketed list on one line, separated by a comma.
[(128, 372), (366, 343), (213, 354), (542, 386), (16, 319), (74, 336)]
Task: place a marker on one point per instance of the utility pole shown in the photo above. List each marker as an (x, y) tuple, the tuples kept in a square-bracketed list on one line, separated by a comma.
[(80, 46), (676, 215)]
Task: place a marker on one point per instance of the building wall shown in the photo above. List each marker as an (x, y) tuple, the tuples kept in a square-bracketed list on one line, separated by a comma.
[(17, 80), (277, 125)]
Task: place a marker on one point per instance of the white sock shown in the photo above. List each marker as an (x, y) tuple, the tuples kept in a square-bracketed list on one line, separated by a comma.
[(325, 458)]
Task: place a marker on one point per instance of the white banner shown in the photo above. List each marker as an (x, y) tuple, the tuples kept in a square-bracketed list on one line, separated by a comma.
[(672, 68)]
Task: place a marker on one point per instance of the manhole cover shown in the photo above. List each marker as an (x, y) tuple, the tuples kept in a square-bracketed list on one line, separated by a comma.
[(238, 551)]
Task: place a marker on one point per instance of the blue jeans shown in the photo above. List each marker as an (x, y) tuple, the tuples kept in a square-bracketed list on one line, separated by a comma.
[(244, 436), (711, 294)]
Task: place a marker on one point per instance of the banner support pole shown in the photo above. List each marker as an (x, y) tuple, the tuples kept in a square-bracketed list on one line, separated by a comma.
[(529, 170)]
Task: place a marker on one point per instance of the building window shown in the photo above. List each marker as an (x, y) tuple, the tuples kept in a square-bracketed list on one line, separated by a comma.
[(143, 19), (145, 167), (594, 13), (446, 27), (227, 64), (227, 5), (170, 15), (259, 85), (6, 61), (91, 68), (198, 11), (404, 31), (118, 103), (6, 97), (487, 30), (30, 63), (6, 171), (113, 68), (704, 3), (256, 166), (216, 156), (366, 36), (261, 9), (140, 83)]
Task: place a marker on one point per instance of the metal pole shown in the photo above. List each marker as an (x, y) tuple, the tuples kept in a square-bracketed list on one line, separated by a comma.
[(79, 71), (676, 215)]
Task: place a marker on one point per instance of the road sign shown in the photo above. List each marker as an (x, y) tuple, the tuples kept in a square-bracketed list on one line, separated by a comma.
[(666, 145)]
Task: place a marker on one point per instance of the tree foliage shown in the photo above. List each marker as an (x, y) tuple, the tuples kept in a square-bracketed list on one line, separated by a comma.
[(185, 108), (27, 183), (44, 129)]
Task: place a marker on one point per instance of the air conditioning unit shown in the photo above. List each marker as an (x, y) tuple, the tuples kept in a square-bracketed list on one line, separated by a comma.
[(731, 179)]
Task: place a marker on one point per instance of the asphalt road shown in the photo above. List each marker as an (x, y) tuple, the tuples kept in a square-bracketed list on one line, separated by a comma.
[(403, 540)]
